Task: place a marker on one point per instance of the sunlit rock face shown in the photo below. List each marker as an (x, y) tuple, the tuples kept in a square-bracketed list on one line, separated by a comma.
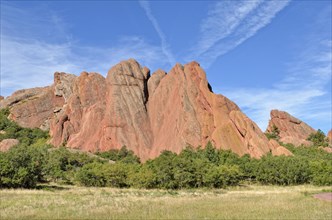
[(292, 130), (146, 113)]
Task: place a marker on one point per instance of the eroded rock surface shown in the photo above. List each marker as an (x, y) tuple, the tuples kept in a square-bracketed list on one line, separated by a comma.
[(147, 114), (292, 130)]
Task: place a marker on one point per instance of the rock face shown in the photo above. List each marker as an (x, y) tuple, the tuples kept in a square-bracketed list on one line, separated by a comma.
[(292, 130), (147, 114), (329, 137), (6, 144), (32, 107)]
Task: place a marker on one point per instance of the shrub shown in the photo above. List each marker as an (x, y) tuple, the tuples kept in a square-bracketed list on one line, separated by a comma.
[(318, 139), (123, 155), (274, 134), (321, 172), (283, 170), (62, 164), (93, 174), (22, 166), (222, 176)]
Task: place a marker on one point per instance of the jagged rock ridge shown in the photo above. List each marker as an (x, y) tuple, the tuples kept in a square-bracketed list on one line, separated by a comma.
[(146, 113)]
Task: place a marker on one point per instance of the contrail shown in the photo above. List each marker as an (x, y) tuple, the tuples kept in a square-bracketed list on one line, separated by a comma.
[(164, 46)]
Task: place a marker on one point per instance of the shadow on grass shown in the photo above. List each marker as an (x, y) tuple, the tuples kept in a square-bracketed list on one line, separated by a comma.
[(51, 188)]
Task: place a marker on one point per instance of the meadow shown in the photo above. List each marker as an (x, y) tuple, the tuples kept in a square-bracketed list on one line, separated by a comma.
[(240, 202)]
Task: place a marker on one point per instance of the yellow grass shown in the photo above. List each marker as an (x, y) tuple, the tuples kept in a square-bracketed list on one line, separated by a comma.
[(251, 202)]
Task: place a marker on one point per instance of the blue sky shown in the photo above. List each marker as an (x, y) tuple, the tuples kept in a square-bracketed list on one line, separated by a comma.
[(261, 54)]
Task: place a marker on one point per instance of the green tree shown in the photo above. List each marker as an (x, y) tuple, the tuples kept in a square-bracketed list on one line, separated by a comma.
[(318, 139), (274, 134), (22, 166), (123, 155)]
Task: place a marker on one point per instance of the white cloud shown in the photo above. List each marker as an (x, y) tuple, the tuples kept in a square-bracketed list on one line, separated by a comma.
[(28, 60), (164, 45), (230, 23), (304, 93), (27, 64)]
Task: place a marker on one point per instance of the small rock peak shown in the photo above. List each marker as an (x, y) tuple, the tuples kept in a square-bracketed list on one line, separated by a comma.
[(146, 72), (284, 115), (129, 68), (193, 63), (132, 61), (63, 84), (291, 130), (84, 74), (154, 80), (159, 72), (1, 98), (60, 76)]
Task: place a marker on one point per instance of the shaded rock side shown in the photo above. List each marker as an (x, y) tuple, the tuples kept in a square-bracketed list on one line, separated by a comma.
[(292, 130), (147, 114)]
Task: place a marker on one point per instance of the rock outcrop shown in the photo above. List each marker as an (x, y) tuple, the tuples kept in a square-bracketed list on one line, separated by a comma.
[(32, 107), (6, 144), (292, 130), (147, 114), (329, 137)]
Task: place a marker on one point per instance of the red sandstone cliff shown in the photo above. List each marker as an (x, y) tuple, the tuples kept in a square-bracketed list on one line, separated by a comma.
[(147, 114), (292, 130)]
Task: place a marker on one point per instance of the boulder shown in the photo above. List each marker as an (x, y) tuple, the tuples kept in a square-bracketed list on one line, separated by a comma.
[(6, 144), (279, 151), (326, 149)]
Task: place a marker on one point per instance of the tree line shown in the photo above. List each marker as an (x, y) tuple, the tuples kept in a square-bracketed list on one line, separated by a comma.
[(33, 161)]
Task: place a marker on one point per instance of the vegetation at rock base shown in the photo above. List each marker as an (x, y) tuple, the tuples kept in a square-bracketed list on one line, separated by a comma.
[(33, 161), (318, 139), (124, 155), (11, 130), (274, 134)]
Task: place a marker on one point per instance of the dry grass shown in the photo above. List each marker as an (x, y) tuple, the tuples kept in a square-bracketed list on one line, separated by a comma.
[(253, 202)]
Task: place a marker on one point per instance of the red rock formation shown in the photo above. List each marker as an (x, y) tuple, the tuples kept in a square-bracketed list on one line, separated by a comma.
[(147, 114), (292, 130), (6, 144), (326, 149), (281, 151), (183, 111), (32, 107), (329, 137)]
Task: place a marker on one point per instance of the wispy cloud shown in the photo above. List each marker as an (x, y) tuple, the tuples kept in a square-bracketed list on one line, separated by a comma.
[(27, 60), (230, 23), (164, 45), (304, 92)]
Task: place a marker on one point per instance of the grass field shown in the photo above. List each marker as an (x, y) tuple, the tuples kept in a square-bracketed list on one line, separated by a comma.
[(247, 202)]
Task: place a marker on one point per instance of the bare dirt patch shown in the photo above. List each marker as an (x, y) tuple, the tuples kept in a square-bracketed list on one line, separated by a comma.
[(324, 196)]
